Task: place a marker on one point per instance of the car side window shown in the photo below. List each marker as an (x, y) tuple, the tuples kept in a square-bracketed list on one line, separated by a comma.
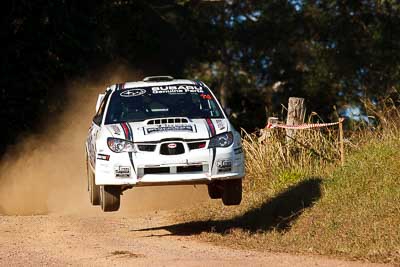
[(100, 112)]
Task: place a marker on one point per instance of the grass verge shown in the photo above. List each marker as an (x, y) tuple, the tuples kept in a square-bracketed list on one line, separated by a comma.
[(305, 205)]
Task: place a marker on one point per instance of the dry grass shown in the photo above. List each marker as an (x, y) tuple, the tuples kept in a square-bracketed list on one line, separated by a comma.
[(298, 199), (285, 161)]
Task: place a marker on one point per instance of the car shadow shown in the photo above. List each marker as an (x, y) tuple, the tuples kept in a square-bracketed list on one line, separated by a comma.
[(278, 213)]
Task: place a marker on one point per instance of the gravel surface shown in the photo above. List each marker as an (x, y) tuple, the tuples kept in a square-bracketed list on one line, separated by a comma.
[(118, 239)]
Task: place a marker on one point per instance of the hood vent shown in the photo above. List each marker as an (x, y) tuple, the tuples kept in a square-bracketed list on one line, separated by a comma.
[(167, 121)]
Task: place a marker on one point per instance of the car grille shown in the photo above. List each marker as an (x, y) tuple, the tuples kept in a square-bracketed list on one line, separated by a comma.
[(177, 150), (172, 148)]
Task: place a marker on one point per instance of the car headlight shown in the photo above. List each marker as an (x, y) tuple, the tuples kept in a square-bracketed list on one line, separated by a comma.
[(119, 145), (221, 140)]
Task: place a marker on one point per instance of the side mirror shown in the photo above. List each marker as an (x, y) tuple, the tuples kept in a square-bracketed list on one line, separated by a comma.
[(99, 99)]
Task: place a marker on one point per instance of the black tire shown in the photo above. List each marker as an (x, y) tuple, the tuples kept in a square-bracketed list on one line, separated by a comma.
[(232, 193), (110, 197), (214, 191), (94, 190)]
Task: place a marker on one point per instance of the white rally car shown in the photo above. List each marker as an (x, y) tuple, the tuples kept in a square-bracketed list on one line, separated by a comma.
[(162, 131)]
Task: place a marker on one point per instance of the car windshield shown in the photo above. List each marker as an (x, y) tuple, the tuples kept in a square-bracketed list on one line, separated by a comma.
[(182, 100)]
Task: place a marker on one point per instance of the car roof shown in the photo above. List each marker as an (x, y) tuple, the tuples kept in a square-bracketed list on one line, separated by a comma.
[(149, 83)]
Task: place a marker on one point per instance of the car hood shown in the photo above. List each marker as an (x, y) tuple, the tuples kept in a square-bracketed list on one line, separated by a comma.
[(153, 130)]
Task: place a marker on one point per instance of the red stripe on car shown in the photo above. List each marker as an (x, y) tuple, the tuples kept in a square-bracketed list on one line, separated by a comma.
[(211, 126), (126, 130)]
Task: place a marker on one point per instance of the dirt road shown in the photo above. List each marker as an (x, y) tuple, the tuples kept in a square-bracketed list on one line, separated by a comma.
[(123, 239)]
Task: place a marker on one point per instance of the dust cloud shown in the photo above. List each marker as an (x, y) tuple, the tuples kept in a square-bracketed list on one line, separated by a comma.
[(46, 173)]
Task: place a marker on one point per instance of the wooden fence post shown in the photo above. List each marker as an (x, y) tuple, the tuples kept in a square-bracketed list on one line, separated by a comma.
[(296, 114), (341, 142)]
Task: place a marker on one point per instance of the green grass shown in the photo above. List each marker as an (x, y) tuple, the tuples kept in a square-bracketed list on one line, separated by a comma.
[(360, 211), (309, 206)]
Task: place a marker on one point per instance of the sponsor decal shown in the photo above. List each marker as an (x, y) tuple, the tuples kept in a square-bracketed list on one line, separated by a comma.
[(116, 129), (177, 89), (103, 157), (170, 128), (206, 96), (133, 92), (220, 124), (122, 171), (92, 145), (224, 165)]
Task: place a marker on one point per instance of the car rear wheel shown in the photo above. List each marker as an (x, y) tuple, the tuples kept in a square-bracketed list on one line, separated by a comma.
[(232, 192), (94, 190), (214, 191), (110, 196)]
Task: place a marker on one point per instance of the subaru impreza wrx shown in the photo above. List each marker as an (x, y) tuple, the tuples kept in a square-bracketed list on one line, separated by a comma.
[(162, 131)]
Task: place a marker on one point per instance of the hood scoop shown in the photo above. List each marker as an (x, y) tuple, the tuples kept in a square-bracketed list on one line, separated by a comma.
[(174, 120)]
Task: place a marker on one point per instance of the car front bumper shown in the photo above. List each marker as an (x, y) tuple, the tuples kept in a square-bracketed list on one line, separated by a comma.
[(195, 167)]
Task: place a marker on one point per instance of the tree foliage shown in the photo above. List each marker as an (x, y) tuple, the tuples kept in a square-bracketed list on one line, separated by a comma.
[(254, 54)]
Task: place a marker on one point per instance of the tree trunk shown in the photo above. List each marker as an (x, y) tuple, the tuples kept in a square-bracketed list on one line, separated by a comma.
[(226, 80), (224, 89)]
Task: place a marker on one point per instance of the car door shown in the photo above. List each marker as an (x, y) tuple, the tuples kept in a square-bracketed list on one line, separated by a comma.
[(94, 130)]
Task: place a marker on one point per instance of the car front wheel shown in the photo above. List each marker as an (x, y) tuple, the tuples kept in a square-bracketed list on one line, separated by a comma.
[(94, 190), (214, 191), (110, 196), (232, 192)]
